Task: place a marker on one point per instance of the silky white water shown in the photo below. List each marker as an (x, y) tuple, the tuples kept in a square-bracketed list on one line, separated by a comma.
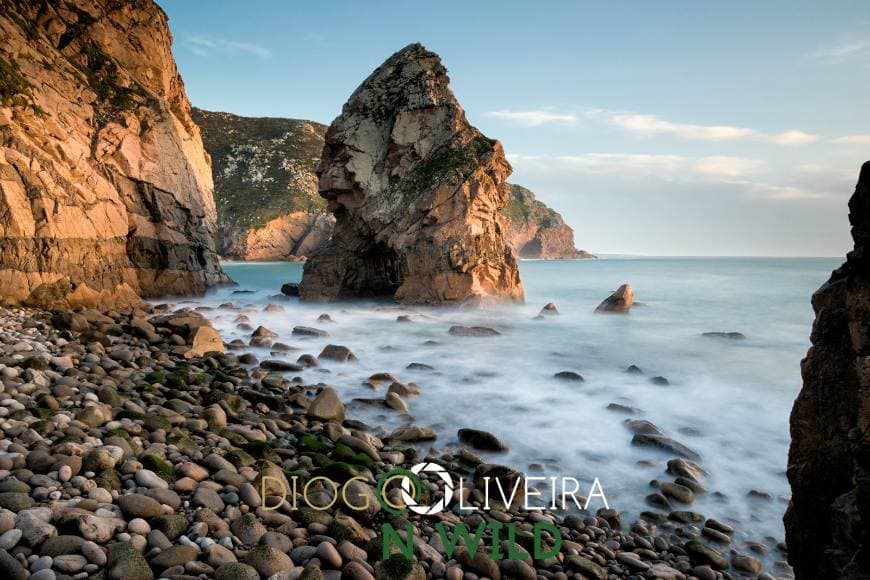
[(728, 400)]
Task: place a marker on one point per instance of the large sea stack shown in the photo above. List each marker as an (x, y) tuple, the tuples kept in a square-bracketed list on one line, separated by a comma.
[(828, 521), (105, 188), (417, 194)]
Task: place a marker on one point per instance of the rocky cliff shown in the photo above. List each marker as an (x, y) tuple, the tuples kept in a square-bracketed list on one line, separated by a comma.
[(105, 188), (828, 521), (537, 231), (268, 206), (417, 194)]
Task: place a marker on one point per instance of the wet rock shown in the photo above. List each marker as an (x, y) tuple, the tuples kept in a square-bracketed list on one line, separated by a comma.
[(327, 406), (725, 335), (664, 443), (618, 302), (280, 365), (569, 376), (290, 289), (337, 353), (473, 331), (309, 331), (483, 440), (549, 309), (686, 468), (660, 381), (705, 555)]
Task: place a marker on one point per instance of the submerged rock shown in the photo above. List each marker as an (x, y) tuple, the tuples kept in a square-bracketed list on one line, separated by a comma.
[(416, 192), (483, 440), (726, 335)]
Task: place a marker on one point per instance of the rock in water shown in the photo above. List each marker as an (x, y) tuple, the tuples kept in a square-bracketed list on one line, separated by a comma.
[(619, 301), (105, 188), (828, 522), (417, 194)]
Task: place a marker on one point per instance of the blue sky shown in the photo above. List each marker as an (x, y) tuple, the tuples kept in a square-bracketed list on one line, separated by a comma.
[(660, 128)]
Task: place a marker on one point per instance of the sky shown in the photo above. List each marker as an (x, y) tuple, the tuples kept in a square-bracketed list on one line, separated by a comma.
[(657, 128)]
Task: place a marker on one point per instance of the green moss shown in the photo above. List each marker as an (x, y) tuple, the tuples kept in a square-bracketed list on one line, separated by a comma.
[(34, 363), (308, 442), (157, 376), (448, 163), (240, 458), (307, 516), (108, 479), (158, 465), (156, 422), (13, 86), (397, 567), (122, 433), (130, 414)]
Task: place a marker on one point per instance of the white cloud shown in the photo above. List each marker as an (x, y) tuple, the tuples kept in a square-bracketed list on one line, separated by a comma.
[(206, 46), (745, 176), (533, 118), (849, 47), (724, 166), (644, 125), (853, 140), (793, 137)]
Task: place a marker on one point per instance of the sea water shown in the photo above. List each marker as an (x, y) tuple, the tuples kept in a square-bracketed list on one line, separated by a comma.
[(729, 400)]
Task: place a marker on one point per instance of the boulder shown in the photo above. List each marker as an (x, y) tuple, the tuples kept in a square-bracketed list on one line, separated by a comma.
[(327, 406), (205, 340), (619, 302), (417, 194)]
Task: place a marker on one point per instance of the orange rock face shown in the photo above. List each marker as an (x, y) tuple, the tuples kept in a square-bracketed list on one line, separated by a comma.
[(416, 192), (105, 188)]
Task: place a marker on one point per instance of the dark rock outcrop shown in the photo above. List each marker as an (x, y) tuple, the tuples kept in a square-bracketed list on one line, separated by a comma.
[(268, 207), (537, 231), (105, 188), (828, 520), (417, 194)]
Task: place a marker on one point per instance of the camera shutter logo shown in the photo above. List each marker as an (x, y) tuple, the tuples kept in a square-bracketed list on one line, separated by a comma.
[(437, 507)]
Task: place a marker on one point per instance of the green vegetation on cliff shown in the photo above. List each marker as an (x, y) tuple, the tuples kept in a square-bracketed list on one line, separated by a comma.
[(263, 166), (523, 207)]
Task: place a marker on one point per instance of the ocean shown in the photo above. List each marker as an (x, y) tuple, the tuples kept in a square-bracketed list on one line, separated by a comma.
[(728, 400)]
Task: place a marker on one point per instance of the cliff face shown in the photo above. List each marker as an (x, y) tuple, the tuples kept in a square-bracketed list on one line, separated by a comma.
[(537, 231), (828, 521), (417, 194), (105, 188), (268, 206)]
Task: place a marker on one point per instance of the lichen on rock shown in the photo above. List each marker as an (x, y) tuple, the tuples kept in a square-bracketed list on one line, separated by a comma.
[(417, 194)]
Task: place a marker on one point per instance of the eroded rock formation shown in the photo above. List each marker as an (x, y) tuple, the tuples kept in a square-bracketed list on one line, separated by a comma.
[(105, 188), (828, 520), (537, 231), (417, 194), (268, 206)]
